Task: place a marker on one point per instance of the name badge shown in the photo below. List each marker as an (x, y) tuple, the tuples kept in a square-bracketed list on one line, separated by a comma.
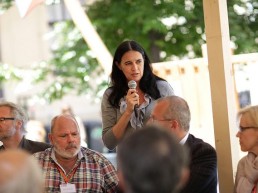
[(67, 188)]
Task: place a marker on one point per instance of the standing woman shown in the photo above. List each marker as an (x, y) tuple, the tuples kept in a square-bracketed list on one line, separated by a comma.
[(247, 170), (125, 110)]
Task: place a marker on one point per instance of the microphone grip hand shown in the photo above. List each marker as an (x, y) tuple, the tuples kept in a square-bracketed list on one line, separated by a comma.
[(136, 110)]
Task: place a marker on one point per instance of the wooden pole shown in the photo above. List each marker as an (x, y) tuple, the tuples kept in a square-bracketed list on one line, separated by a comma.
[(222, 90)]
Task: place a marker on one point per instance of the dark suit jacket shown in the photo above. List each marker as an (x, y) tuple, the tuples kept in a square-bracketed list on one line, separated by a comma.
[(203, 167), (31, 146)]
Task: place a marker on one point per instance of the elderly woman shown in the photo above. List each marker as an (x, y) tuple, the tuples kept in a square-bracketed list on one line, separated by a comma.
[(247, 170)]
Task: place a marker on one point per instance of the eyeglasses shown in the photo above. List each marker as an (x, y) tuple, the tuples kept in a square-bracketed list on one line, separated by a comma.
[(152, 119), (242, 129), (3, 119)]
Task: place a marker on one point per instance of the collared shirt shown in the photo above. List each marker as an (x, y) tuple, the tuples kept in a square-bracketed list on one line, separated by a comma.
[(94, 172), (182, 142), (136, 120), (80, 156)]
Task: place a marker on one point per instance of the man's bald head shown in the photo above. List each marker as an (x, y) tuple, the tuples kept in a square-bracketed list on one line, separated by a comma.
[(63, 119), (19, 172), (174, 108)]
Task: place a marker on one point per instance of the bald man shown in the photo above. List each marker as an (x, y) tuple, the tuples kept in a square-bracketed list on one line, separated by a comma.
[(70, 167), (19, 172)]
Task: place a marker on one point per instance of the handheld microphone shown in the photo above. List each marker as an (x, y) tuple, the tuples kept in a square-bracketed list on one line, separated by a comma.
[(132, 85)]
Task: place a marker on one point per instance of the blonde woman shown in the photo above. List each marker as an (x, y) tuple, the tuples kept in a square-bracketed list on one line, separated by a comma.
[(247, 170)]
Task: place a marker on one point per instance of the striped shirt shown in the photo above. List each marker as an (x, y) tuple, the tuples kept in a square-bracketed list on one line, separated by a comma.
[(94, 172)]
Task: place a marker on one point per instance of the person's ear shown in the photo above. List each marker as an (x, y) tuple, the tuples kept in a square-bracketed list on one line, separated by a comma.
[(18, 124), (174, 126), (50, 138)]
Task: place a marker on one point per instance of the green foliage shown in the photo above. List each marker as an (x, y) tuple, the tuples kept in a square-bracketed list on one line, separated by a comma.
[(243, 17), (5, 4), (167, 29), (142, 21), (73, 66), (8, 72)]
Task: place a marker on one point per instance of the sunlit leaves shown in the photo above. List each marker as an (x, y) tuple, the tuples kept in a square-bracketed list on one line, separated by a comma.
[(73, 67), (8, 72), (5, 4)]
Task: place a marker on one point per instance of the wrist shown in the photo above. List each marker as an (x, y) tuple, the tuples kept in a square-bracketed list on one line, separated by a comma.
[(128, 112)]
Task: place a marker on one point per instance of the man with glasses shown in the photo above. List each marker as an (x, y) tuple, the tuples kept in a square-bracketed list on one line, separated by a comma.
[(173, 113), (12, 122)]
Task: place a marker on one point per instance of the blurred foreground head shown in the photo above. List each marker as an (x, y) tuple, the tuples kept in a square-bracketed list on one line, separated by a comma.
[(19, 173), (151, 160)]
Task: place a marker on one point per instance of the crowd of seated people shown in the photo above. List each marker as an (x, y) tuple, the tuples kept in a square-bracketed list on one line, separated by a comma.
[(68, 166), (148, 127)]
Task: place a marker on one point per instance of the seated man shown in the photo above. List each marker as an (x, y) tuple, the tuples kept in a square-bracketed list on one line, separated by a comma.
[(173, 113), (13, 120), (19, 172), (68, 167), (151, 161)]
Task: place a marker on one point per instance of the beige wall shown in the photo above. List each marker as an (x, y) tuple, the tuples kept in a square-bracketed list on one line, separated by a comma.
[(190, 80), (22, 40)]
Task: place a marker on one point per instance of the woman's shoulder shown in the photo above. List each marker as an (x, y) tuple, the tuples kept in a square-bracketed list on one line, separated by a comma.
[(106, 94), (108, 91), (165, 88), (162, 83)]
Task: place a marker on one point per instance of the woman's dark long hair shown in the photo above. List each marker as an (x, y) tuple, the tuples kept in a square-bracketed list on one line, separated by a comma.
[(148, 82)]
